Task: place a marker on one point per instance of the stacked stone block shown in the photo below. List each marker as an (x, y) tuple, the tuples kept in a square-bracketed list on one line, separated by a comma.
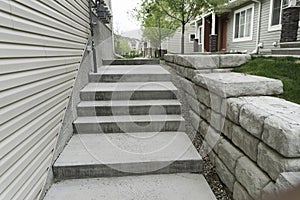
[(250, 137)]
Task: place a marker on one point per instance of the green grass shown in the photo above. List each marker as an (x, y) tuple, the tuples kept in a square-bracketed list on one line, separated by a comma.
[(286, 69)]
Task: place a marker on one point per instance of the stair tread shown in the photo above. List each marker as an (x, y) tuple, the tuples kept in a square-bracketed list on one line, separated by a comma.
[(129, 86), (116, 103), (130, 69), (122, 148), (151, 187), (128, 118)]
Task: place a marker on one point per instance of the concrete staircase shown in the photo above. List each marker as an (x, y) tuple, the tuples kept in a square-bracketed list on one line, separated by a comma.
[(129, 141), (288, 48)]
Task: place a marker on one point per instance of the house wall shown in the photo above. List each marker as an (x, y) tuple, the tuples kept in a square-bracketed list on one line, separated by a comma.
[(41, 48), (248, 46), (269, 37), (266, 37), (173, 45)]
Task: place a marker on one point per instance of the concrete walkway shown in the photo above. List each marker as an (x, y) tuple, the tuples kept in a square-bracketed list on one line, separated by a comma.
[(129, 141)]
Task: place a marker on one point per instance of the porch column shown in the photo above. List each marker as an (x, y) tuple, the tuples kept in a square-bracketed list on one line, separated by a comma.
[(213, 38), (203, 34), (290, 23)]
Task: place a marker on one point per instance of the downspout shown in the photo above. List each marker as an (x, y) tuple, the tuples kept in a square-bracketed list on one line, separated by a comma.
[(92, 36), (256, 51)]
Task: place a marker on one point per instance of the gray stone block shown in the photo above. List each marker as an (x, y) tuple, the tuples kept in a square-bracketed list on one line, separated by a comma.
[(245, 141), (289, 179), (218, 104), (273, 163), (195, 120), (270, 191), (283, 134), (205, 112), (198, 61), (217, 121), (251, 177), (233, 108), (227, 129), (233, 60), (192, 103), (252, 119), (235, 84), (225, 175), (203, 128), (169, 58), (203, 95), (213, 138), (229, 155), (188, 87), (240, 193)]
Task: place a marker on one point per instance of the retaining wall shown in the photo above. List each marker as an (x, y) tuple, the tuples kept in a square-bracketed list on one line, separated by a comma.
[(251, 137)]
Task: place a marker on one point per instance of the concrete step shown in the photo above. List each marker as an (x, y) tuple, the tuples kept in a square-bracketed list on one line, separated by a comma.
[(128, 91), (286, 51), (131, 62), (150, 187), (130, 73), (111, 155), (134, 107), (129, 123), (295, 44)]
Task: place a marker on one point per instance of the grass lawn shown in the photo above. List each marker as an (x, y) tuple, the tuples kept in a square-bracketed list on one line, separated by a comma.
[(286, 69)]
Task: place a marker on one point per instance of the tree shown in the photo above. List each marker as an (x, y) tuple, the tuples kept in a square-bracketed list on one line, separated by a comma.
[(121, 45), (156, 25), (182, 11)]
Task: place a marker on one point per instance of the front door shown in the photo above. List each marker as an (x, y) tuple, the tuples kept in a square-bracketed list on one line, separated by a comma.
[(222, 33)]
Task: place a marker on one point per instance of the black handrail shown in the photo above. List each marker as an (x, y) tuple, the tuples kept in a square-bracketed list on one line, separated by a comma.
[(92, 25)]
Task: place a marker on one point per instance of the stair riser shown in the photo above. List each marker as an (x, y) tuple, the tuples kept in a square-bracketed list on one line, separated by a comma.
[(138, 95), (286, 52), (127, 169), (128, 110), (129, 78), (123, 127), (131, 62)]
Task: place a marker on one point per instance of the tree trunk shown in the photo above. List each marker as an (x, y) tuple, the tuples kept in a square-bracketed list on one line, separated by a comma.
[(182, 37)]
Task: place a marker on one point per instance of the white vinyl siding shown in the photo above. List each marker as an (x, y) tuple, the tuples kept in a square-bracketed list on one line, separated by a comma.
[(173, 44), (41, 47), (243, 24)]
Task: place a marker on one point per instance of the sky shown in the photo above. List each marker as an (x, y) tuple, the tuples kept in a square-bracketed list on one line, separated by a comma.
[(123, 22)]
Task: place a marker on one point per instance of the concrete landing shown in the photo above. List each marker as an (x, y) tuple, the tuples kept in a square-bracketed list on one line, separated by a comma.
[(130, 73), (131, 62), (150, 187), (99, 155)]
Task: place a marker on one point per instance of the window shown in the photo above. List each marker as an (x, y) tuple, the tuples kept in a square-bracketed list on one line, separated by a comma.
[(243, 24), (192, 37), (275, 15), (276, 7)]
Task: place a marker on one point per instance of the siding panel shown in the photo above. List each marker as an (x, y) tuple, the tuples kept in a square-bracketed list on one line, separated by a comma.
[(41, 48)]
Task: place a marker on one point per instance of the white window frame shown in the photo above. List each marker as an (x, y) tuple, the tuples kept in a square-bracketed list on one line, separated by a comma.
[(200, 36), (190, 37), (249, 38), (278, 26)]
